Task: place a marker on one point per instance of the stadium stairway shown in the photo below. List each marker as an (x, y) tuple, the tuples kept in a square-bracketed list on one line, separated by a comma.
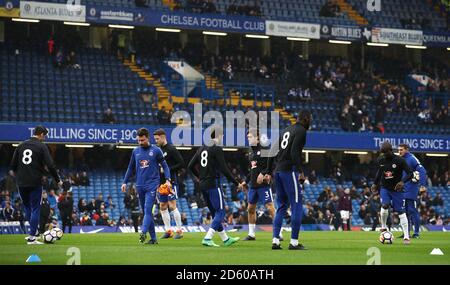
[(286, 115), (354, 15), (211, 81), (163, 94)]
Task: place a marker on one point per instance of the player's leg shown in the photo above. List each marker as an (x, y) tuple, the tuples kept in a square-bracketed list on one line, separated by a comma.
[(398, 203), (268, 203), (344, 219), (414, 216), (215, 203), (165, 215), (35, 204), (150, 197), (384, 211), (251, 210), (147, 210), (176, 213), (282, 200), (294, 192), (141, 196), (218, 201)]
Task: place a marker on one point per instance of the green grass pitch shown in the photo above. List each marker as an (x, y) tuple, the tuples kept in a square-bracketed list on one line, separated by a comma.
[(324, 248)]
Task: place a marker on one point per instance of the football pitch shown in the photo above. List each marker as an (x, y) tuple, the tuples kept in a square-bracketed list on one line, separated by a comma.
[(324, 248)]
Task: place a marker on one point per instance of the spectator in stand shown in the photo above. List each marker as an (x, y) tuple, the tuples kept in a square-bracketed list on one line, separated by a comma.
[(92, 206), (84, 179), (52, 199), (8, 212), (379, 128), (313, 177), (82, 206), (184, 220), (103, 220), (438, 201), (108, 117), (163, 117), (330, 9), (51, 46), (209, 7), (85, 220), (99, 201), (109, 204), (8, 183)]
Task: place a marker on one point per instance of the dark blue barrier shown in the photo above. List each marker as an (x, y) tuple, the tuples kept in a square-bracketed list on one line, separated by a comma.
[(95, 134)]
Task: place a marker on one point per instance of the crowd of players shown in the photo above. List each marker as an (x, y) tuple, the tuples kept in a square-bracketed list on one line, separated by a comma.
[(326, 210)]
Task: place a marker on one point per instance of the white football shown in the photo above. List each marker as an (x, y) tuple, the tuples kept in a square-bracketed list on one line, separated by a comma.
[(386, 237), (49, 237), (57, 232)]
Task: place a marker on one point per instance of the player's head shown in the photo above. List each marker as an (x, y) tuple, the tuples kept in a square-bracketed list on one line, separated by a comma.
[(305, 118), (142, 137), (386, 149), (253, 136), (40, 132), (160, 137), (403, 149)]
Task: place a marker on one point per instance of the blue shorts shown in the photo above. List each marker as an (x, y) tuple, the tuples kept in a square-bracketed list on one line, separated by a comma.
[(170, 197), (262, 195), (394, 199)]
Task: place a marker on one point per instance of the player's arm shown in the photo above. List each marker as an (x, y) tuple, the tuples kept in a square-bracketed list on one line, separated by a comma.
[(377, 181), (179, 161), (131, 166), (218, 153), (423, 176), (272, 157), (164, 165), (296, 153), (15, 160), (191, 166), (48, 161), (407, 169), (405, 178)]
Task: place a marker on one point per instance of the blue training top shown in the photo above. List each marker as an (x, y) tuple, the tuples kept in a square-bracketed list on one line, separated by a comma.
[(146, 161), (411, 187)]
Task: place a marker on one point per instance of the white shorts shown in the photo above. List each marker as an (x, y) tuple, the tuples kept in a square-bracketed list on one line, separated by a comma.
[(345, 215)]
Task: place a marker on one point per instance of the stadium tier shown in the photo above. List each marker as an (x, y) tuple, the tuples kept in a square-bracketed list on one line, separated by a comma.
[(395, 14)]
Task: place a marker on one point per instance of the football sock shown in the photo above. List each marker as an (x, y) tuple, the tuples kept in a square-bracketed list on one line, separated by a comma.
[(210, 233), (384, 213), (166, 219), (404, 224), (177, 217), (223, 235), (251, 230), (275, 241), (294, 242), (281, 233)]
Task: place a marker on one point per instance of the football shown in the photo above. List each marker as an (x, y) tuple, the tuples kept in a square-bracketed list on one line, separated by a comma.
[(164, 190), (57, 232), (49, 236), (386, 237)]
